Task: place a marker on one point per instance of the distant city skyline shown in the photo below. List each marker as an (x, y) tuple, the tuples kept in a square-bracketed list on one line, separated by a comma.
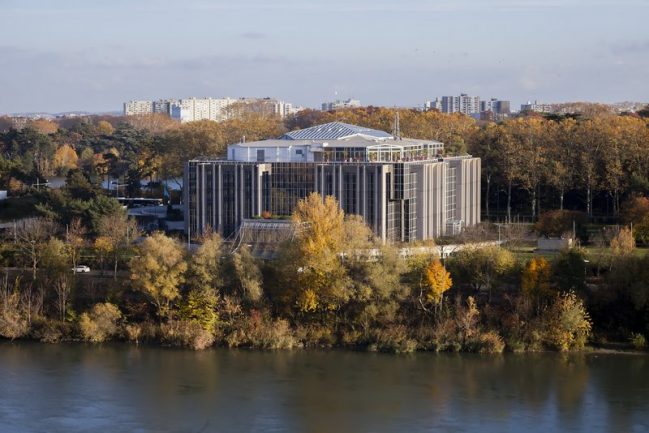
[(76, 55)]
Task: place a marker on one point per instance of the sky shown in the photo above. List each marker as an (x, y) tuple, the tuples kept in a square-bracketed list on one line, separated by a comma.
[(93, 55)]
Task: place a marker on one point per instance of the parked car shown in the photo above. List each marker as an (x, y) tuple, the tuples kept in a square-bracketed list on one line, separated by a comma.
[(81, 268)]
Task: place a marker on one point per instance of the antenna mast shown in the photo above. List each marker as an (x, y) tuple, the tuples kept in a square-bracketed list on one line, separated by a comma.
[(397, 128)]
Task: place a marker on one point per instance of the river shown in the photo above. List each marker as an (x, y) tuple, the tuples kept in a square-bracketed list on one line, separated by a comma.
[(121, 388)]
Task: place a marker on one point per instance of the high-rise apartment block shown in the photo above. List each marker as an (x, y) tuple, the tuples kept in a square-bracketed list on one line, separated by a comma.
[(217, 109), (338, 104), (469, 105), (402, 188), (194, 109), (496, 106), (134, 108), (460, 104)]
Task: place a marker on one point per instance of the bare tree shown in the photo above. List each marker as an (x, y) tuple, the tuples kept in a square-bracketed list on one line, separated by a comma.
[(120, 232), (75, 239), (30, 235)]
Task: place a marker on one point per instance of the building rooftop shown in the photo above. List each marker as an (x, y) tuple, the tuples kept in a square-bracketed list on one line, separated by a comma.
[(335, 131), (336, 142)]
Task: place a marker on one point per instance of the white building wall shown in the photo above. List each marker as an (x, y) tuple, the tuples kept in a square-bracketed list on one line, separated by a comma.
[(132, 108), (431, 199)]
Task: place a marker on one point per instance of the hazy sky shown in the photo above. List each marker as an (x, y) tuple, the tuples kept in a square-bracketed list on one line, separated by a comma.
[(95, 54)]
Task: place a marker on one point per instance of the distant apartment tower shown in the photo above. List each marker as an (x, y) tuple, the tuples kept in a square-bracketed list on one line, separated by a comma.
[(134, 108), (433, 105), (285, 109), (217, 109), (536, 107), (194, 109), (455, 104), (496, 106), (338, 104)]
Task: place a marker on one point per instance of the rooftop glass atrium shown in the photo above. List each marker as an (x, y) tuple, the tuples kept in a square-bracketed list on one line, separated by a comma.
[(336, 142)]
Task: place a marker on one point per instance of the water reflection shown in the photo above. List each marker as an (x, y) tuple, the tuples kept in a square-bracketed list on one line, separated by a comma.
[(70, 388)]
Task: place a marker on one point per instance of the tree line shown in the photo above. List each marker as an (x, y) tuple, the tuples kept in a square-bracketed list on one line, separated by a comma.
[(331, 284), (591, 163)]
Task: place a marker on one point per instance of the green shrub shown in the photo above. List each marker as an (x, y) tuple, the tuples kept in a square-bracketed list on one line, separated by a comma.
[(638, 341)]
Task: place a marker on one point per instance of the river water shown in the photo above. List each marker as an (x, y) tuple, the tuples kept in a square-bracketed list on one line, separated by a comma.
[(121, 388)]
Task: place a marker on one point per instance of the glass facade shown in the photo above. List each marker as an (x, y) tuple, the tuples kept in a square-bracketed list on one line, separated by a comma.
[(222, 194)]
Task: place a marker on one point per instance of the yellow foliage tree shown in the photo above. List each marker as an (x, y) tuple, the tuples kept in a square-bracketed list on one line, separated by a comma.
[(65, 158), (567, 323), (623, 244), (105, 128), (438, 280), (159, 270), (535, 280), (103, 247), (312, 263), (44, 126)]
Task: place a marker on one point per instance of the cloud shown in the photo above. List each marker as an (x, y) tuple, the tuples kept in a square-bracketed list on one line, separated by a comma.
[(407, 6), (631, 47), (254, 35)]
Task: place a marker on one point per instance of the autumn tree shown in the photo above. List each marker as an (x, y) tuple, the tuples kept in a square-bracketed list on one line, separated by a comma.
[(206, 264), (75, 239), (560, 159), (119, 232), (438, 280), (104, 128), (65, 158), (311, 264), (14, 320), (635, 210), (100, 323), (482, 268), (245, 275), (535, 280), (569, 270), (155, 123), (375, 270), (56, 264), (43, 126), (623, 244), (158, 271), (567, 323), (30, 236), (103, 247)]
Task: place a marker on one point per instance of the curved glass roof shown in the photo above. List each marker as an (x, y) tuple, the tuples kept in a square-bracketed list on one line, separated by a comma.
[(334, 131)]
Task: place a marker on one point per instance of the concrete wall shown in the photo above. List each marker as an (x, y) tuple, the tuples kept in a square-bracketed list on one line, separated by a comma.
[(431, 199), (468, 190)]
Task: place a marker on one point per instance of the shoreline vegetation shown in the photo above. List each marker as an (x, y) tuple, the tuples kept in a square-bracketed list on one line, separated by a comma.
[(322, 288), (326, 287)]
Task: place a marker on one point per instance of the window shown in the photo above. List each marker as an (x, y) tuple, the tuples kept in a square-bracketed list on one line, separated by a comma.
[(261, 155)]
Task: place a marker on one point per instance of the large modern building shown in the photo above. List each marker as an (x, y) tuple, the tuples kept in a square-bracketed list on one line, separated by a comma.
[(403, 188)]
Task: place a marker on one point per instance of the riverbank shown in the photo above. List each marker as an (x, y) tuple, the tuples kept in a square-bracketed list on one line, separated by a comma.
[(463, 333)]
